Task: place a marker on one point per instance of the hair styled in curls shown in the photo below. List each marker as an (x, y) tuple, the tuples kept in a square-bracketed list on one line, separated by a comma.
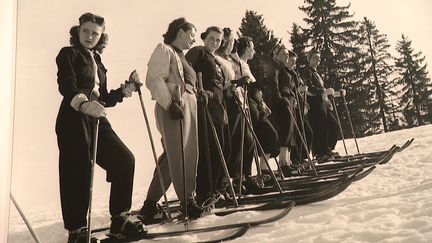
[(89, 17), (210, 29), (174, 27), (243, 43)]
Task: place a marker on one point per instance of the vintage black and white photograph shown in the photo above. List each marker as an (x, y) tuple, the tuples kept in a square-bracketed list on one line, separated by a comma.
[(198, 121)]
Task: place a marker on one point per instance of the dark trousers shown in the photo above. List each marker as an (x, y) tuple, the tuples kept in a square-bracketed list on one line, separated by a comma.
[(299, 152), (267, 137), (75, 168), (284, 124), (235, 125), (210, 170), (324, 126)]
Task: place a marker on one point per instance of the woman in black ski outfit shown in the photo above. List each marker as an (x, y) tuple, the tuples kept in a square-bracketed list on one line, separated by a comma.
[(322, 119), (82, 82), (203, 60)]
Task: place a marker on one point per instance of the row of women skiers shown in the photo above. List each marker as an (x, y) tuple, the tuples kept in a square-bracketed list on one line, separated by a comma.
[(214, 117)]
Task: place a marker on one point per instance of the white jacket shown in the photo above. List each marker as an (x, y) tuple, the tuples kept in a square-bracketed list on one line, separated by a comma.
[(164, 74)]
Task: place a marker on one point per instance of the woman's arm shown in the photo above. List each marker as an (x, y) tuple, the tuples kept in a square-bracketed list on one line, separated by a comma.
[(157, 74)]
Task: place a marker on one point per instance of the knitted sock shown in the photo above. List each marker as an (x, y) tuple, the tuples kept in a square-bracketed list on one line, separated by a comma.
[(283, 155), (263, 164)]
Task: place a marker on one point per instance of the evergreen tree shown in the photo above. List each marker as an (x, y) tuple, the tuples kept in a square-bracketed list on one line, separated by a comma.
[(299, 42), (332, 32), (252, 25), (415, 82), (377, 87)]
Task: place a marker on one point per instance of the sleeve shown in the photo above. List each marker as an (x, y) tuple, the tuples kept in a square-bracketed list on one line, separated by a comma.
[(266, 110), (157, 74), (112, 97), (313, 89), (192, 56), (196, 57), (254, 112), (66, 76), (275, 83)]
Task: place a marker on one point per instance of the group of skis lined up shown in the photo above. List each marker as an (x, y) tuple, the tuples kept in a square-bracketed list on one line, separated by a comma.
[(310, 184)]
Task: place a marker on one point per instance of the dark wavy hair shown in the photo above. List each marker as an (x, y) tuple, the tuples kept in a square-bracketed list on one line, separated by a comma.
[(174, 27), (243, 43), (227, 37), (210, 29), (89, 17)]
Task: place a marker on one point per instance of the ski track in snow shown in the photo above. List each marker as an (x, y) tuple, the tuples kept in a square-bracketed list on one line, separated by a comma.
[(392, 204)]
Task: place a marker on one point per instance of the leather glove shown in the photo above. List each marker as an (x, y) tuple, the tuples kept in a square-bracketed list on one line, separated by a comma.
[(329, 91), (93, 108), (175, 110), (204, 96), (135, 78), (306, 109), (340, 93), (343, 92), (132, 84), (241, 81), (303, 89)]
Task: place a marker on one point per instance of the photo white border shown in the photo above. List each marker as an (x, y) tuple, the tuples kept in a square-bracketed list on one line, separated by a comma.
[(8, 15)]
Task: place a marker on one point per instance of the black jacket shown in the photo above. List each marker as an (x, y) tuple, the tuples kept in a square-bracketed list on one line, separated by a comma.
[(76, 75)]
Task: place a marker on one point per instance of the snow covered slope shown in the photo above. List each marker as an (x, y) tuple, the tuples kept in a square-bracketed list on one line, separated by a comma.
[(393, 204)]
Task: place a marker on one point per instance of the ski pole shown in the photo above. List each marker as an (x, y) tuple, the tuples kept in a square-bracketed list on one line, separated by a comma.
[(279, 168), (302, 140), (350, 122), (158, 170), (256, 157), (93, 162), (33, 233), (206, 137), (218, 146), (177, 97), (242, 131), (260, 149), (301, 117), (339, 123)]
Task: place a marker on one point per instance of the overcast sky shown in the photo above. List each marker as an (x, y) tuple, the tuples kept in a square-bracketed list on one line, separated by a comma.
[(135, 27)]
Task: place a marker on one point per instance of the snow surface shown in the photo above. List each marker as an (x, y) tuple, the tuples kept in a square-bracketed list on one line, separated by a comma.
[(392, 204)]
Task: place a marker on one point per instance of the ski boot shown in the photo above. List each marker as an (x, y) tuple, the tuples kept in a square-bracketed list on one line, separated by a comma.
[(194, 211), (123, 227), (148, 211), (79, 236)]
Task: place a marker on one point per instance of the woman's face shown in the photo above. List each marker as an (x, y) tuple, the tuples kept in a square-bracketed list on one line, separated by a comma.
[(315, 60), (229, 47), (212, 41), (282, 56), (258, 95), (291, 64), (187, 37), (249, 51), (90, 34)]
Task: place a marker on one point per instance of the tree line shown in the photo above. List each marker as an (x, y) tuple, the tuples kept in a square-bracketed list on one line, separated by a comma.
[(384, 92)]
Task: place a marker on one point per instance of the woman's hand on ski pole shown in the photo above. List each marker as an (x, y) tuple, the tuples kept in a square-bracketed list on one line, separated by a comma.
[(93, 108), (132, 84)]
